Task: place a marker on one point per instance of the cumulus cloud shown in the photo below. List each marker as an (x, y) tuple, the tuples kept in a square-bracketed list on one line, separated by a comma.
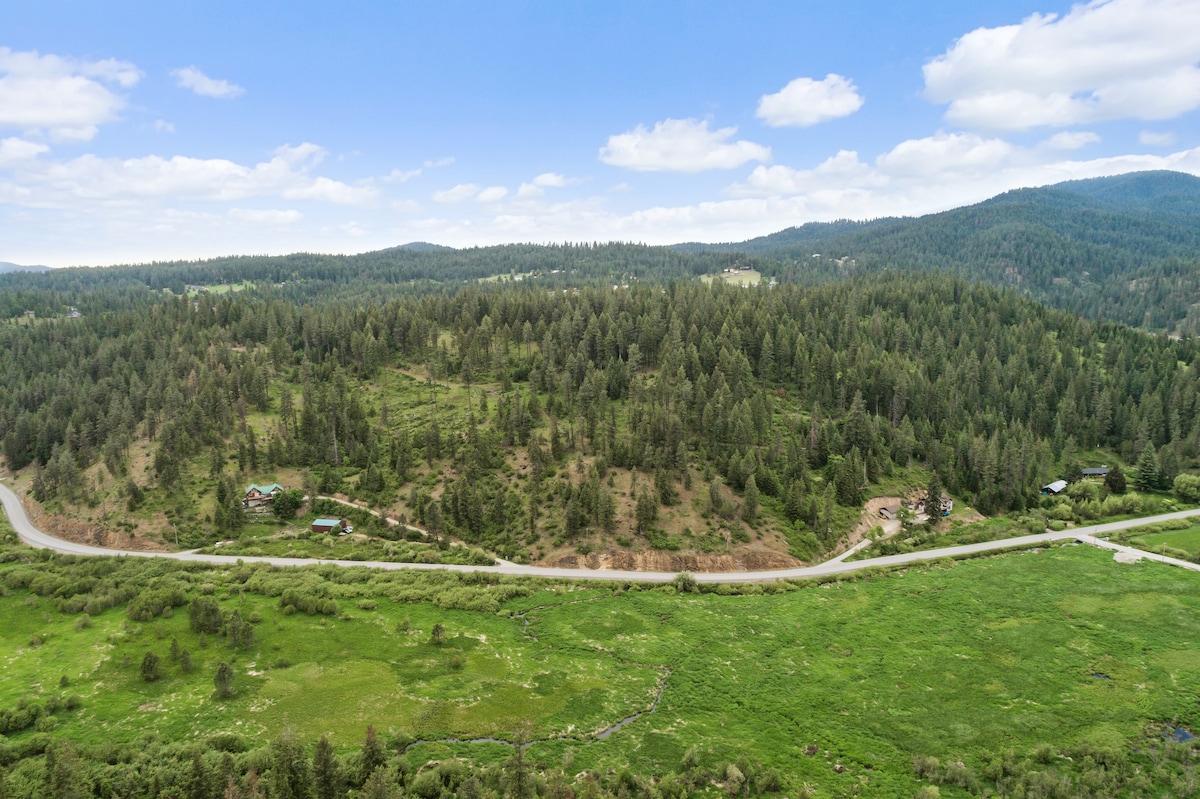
[(65, 97), (537, 187), (842, 169), (1103, 60), (1071, 140), (680, 145), (945, 153), (266, 216), (1155, 139), (405, 175), (930, 174), (492, 194), (13, 150), (401, 175), (195, 80), (463, 191), (92, 178), (805, 102)]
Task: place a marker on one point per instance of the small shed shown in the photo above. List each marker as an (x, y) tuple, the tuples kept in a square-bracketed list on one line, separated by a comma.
[(890, 512), (1057, 487), (325, 525)]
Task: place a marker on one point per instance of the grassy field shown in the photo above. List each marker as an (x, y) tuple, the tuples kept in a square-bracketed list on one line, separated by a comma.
[(839, 685), (1182, 543), (750, 277), (1185, 540)]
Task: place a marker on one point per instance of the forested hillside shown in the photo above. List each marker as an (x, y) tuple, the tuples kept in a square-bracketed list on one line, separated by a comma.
[(529, 421), (1125, 248)]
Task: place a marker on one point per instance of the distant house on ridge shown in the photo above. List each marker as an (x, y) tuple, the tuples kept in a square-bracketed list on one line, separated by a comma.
[(1099, 471)]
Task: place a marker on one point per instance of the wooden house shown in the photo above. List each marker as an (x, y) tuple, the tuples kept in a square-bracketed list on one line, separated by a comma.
[(261, 495)]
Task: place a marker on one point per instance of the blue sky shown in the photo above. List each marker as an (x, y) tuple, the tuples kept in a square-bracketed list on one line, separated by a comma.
[(139, 131)]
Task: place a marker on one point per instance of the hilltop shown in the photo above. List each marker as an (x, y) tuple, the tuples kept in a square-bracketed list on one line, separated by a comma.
[(1125, 248)]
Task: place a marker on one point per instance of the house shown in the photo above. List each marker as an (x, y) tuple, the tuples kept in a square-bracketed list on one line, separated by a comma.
[(74, 313), (945, 505), (1057, 487), (1099, 471), (890, 512), (261, 495), (327, 525)]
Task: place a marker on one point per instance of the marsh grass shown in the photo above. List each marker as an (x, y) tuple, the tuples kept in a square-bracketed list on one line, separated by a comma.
[(955, 661)]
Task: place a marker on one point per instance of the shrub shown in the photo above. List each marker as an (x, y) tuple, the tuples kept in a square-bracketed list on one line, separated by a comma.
[(151, 667)]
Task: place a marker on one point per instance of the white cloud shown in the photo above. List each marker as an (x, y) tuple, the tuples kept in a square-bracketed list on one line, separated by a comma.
[(492, 194), (266, 216), (680, 145), (805, 102), (1071, 140), (1103, 60), (401, 175), (13, 150), (550, 180), (537, 187), (162, 126), (463, 191), (67, 98), (405, 175), (943, 153), (90, 178), (919, 176), (1155, 139), (192, 78), (842, 169)]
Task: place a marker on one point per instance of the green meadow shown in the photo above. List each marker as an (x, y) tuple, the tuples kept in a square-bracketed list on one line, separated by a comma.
[(1059, 659), (1184, 543)]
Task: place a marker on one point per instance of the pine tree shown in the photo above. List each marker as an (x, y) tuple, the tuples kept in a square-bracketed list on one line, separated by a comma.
[(646, 510), (750, 501), (224, 680), (1147, 470), (289, 777), (151, 667), (371, 757), (1115, 481), (327, 771)]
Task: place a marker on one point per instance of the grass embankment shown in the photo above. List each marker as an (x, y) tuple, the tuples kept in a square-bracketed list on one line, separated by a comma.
[(841, 685), (1177, 539)]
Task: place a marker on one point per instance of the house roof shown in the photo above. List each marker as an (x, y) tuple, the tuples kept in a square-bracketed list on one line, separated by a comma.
[(326, 522), (1099, 471), (1055, 487), (265, 489)]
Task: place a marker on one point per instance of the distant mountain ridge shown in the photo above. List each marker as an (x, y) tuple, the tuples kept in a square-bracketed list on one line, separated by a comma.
[(1125, 247), (5, 266), (419, 246)]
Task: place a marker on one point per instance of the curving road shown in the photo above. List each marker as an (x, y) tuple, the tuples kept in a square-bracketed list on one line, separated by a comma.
[(1089, 535)]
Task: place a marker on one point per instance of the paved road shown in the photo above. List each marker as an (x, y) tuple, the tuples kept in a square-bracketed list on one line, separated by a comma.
[(1090, 535)]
